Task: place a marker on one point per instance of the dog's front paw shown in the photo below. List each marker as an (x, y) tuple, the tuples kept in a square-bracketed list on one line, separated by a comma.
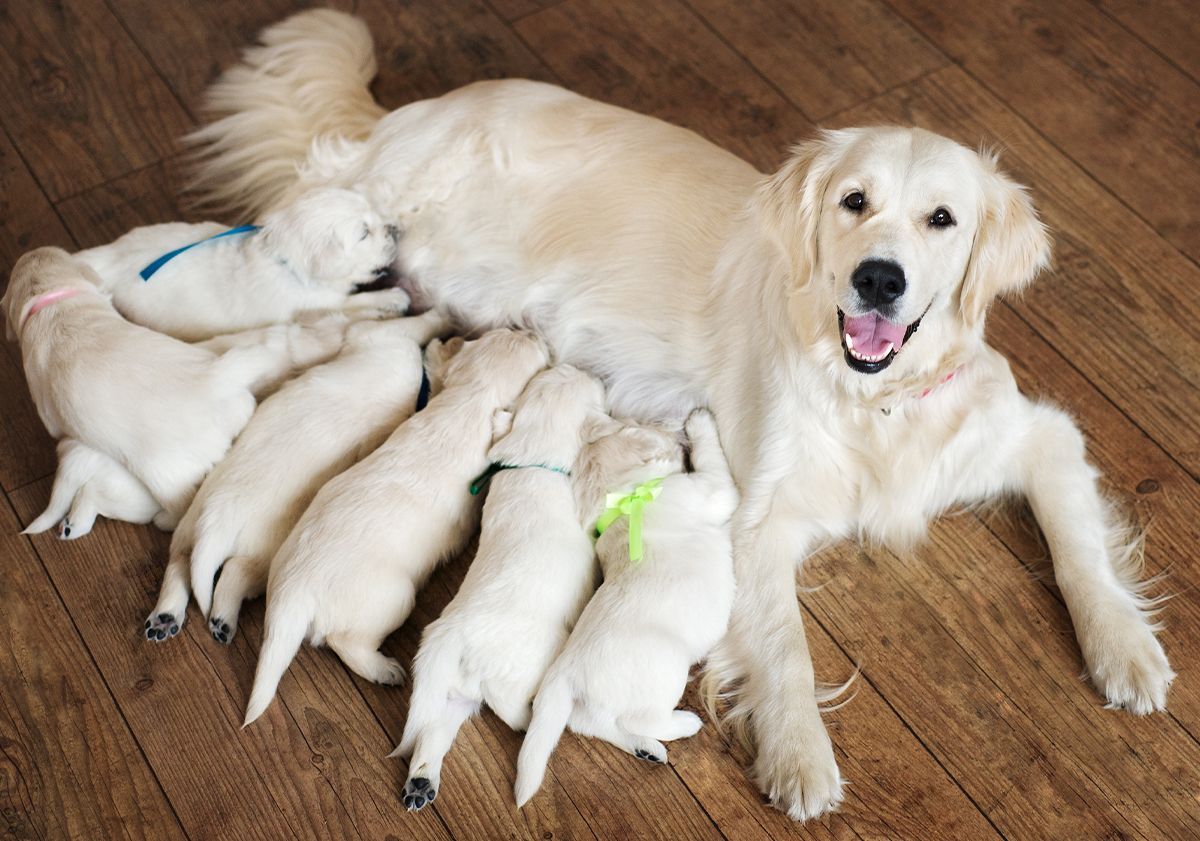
[(419, 792), (161, 626), (800, 776), (1128, 665)]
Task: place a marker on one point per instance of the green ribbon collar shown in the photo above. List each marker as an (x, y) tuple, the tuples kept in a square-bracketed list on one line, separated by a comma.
[(631, 505), (481, 481)]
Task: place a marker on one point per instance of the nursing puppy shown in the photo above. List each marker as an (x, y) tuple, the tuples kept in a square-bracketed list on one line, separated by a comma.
[(165, 411), (626, 664), (305, 434), (309, 256), (348, 573), (89, 484), (531, 576)]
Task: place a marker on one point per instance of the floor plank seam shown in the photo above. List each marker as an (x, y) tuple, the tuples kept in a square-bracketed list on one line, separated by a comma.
[(516, 33), (1150, 46), (183, 106)]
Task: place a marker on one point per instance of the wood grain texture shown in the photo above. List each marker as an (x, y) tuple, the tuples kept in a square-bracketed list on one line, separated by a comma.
[(824, 57), (1132, 115), (1172, 27), (69, 766), (80, 101), (661, 59)]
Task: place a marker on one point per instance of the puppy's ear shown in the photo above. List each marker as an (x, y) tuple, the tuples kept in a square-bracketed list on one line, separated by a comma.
[(789, 202), (599, 426), (501, 424), (1011, 247)]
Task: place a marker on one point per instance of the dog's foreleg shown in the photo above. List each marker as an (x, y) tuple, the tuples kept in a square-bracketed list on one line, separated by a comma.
[(794, 765), (1095, 564)]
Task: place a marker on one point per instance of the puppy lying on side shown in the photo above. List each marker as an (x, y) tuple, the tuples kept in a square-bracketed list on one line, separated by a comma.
[(348, 574), (309, 256), (531, 576), (165, 411), (625, 666), (89, 484), (302, 436)]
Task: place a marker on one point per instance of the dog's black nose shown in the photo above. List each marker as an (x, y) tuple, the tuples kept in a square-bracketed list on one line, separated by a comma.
[(393, 232), (878, 282)]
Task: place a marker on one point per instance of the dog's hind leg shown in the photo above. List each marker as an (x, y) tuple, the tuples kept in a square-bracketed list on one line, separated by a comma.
[(167, 617), (678, 724), (243, 577), (603, 726), (432, 744), (364, 658), (82, 516)]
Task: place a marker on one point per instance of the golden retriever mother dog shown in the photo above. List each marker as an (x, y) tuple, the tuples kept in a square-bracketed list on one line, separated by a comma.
[(789, 303)]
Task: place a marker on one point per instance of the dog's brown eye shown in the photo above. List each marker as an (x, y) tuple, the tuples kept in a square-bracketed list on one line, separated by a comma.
[(855, 202), (941, 218)]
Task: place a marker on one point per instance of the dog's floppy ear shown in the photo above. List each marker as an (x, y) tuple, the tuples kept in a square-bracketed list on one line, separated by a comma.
[(598, 426), (789, 202), (1011, 247), (502, 420)]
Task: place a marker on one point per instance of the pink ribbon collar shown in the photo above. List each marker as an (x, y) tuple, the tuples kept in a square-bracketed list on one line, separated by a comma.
[(48, 299)]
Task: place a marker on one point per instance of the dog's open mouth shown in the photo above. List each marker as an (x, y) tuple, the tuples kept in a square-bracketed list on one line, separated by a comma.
[(871, 342)]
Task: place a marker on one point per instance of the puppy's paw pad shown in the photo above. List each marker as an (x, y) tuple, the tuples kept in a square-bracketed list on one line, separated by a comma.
[(64, 529), (221, 630), (160, 627), (418, 793), (648, 756)]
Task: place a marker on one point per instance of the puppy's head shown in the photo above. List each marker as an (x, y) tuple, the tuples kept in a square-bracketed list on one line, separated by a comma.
[(621, 455), (889, 229), (36, 273), (331, 237), (499, 363), (549, 418)]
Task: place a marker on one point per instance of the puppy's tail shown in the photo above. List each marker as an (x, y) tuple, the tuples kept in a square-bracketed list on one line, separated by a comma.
[(287, 623), (75, 467), (308, 77), (551, 712)]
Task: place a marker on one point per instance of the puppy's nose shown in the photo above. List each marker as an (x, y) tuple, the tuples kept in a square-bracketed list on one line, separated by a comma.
[(878, 282), (393, 232)]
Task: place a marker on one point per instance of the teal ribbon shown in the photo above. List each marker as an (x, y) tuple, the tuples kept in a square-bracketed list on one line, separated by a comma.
[(481, 481), (171, 255), (631, 505)]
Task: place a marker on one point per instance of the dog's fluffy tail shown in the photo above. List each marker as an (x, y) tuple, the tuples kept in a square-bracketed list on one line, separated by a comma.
[(288, 618), (551, 712), (308, 77), (74, 470)]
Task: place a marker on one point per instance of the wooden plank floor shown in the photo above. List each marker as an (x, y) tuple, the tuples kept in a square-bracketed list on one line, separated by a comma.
[(970, 720)]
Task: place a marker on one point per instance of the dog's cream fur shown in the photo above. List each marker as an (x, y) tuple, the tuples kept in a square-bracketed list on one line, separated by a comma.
[(348, 574), (311, 430), (308, 257), (531, 576), (89, 484), (682, 276), (163, 410), (625, 665)]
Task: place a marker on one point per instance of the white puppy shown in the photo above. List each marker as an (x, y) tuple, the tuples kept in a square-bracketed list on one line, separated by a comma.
[(89, 484), (311, 430), (165, 411), (531, 576), (625, 666), (348, 574), (308, 256)]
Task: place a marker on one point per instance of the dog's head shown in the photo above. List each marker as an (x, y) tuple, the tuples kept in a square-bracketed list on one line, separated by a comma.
[(499, 363), (885, 230), (331, 237), (38, 272), (549, 418), (621, 455)]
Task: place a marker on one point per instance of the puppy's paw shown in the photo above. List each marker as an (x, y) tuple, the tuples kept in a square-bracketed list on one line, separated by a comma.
[(800, 776), (161, 626), (221, 630), (649, 756), (64, 528), (1128, 665), (388, 671), (419, 792)]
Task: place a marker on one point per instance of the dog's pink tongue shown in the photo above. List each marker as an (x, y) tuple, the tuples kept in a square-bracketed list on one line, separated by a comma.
[(871, 333)]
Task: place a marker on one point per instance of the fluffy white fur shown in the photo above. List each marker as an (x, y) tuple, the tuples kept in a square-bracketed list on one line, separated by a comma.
[(625, 665), (165, 411), (299, 438), (683, 276), (348, 574), (308, 256), (89, 484), (531, 576)]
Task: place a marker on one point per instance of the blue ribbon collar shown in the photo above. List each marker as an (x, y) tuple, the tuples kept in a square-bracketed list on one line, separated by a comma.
[(147, 272)]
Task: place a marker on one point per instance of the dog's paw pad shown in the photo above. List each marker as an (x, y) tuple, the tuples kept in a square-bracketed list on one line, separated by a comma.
[(648, 756), (418, 793), (161, 627), (221, 630), (64, 529)]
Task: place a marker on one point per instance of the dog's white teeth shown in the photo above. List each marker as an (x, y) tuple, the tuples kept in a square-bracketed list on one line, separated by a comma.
[(886, 350), (849, 343)]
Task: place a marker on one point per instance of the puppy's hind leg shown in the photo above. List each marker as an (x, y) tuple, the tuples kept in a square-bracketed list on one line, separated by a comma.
[(243, 577), (431, 745), (363, 657), (167, 617), (603, 726)]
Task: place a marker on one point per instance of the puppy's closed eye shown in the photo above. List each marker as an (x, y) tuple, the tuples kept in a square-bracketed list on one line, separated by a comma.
[(364, 232)]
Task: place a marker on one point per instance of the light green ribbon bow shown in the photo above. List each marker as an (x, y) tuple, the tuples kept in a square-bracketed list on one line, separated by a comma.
[(631, 506)]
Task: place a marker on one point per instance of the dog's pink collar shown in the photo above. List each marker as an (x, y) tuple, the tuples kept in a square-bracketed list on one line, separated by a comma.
[(48, 299), (940, 382)]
